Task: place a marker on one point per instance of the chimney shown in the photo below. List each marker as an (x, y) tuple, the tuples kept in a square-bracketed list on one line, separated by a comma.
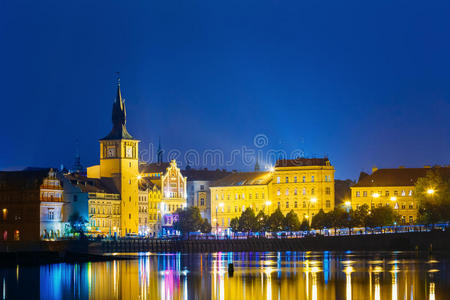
[(374, 169)]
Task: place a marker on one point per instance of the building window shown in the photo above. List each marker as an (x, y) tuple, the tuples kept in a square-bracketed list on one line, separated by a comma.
[(411, 219), (256, 195), (243, 196), (312, 191), (327, 190), (357, 194), (235, 196), (202, 187), (304, 204), (287, 179), (295, 204), (262, 195), (278, 179), (235, 209), (365, 194), (395, 193), (279, 205), (295, 178), (278, 193), (304, 191), (403, 193), (303, 178), (51, 213), (129, 216), (217, 197), (287, 204), (410, 193), (202, 201), (287, 192), (386, 193), (312, 178), (295, 191), (327, 203)]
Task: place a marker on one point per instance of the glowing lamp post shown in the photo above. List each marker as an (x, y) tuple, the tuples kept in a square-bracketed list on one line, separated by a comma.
[(374, 196), (312, 200), (431, 192), (267, 206), (217, 220)]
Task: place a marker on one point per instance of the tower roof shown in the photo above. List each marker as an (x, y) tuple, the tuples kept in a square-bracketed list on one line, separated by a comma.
[(119, 119)]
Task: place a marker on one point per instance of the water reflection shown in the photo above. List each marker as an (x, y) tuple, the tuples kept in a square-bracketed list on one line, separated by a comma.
[(269, 275)]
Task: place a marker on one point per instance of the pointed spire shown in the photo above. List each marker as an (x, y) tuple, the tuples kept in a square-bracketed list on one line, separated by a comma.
[(119, 118), (257, 167), (77, 163)]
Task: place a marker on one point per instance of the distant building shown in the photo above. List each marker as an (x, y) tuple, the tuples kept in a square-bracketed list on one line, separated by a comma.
[(198, 183), (304, 185), (391, 187), (31, 204)]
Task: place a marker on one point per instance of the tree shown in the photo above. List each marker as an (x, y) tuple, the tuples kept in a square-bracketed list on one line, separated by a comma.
[(319, 220), (433, 194), (247, 221), (189, 220), (77, 223), (276, 221), (304, 226), (291, 222), (234, 224), (358, 216), (205, 227), (261, 222), (381, 216)]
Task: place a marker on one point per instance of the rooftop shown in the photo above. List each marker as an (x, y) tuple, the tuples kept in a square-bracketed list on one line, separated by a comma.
[(398, 177), (301, 161), (244, 178)]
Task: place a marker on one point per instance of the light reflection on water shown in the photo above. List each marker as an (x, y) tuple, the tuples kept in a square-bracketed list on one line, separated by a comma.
[(268, 275)]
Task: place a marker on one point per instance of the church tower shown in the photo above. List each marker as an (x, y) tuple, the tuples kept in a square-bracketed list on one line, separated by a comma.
[(119, 161)]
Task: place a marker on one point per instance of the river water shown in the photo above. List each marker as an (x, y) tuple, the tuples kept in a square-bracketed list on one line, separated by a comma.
[(258, 275)]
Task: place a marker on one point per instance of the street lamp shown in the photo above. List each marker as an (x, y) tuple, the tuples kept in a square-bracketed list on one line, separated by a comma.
[(374, 196), (430, 191), (217, 220), (267, 205), (348, 205), (312, 200)]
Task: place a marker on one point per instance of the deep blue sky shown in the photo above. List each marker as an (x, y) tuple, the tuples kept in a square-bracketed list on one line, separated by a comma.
[(365, 82)]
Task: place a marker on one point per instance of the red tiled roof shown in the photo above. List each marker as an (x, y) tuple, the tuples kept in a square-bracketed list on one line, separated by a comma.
[(398, 177), (301, 161)]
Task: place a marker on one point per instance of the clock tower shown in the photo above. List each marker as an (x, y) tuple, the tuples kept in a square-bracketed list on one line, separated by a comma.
[(119, 161)]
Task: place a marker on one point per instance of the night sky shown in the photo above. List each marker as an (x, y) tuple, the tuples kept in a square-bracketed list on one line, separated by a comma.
[(364, 82)]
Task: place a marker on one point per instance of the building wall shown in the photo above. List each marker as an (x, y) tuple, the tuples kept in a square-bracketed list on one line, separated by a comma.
[(230, 201), (124, 164), (104, 213), (304, 189), (196, 191), (401, 198)]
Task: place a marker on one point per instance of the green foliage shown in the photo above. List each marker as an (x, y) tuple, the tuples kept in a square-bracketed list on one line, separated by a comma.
[(358, 217), (434, 207), (262, 222), (77, 223), (381, 216), (291, 222), (247, 221), (319, 221), (304, 226), (276, 221), (189, 220), (205, 227), (234, 224)]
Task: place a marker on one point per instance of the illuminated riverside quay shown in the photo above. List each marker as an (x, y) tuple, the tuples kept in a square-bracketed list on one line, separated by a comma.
[(257, 275)]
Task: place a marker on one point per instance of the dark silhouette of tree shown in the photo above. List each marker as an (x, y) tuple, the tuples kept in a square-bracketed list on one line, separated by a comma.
[(291, 221), (276, 221)]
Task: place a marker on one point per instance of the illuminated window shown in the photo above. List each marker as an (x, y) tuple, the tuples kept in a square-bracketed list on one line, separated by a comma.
[(295, 204), (303, 178), (278, 193), (312, 178), (295, 191), (287, 192), (327, 190), (410, 193), (365, 194), (386, 193), (278, 179), (295, 178), (51, 213), (358, 194), (403, 193), (287, 204), (287, 179), (395, 193), (304, 191)]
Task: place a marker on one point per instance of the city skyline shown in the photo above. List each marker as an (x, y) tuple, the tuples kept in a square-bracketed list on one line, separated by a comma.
[(307, 79)]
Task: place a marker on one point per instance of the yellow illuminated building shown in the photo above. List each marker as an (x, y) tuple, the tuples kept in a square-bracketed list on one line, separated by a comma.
[(303, 185), (119, 162), (390, 187)]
